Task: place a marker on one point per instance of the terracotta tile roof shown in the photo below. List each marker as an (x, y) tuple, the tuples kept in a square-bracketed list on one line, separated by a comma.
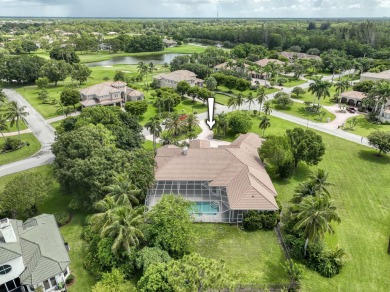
[(179, 75), (100, 89), (385, 75), (264, 62), (290, 55), (354, 94), (236, 167)]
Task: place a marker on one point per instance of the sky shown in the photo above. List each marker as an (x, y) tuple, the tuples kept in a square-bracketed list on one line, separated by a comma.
[(196, 8)]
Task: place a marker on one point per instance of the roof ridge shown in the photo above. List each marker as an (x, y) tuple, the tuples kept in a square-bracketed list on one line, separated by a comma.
[(251, 174)]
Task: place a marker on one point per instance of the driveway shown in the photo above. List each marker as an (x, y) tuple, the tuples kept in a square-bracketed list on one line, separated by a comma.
[(41, 129)]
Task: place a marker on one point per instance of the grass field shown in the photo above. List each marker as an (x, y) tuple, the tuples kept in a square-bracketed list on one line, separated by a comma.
[(362, 196), (22, 126), (308, 96), (251, 257), (364, 127), (298, 110), (22, 153)]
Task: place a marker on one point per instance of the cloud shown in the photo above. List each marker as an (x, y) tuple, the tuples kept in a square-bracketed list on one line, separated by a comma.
[(196, 8)]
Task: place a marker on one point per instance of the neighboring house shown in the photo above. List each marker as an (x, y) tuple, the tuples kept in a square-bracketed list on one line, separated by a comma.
[(384, 75), (292, 55), (169, 43), (173, 78), (262, 63), (109, 93), (32, 254), (224, 182), (225, 66), (384, 114), (104, 47), (352, 97)]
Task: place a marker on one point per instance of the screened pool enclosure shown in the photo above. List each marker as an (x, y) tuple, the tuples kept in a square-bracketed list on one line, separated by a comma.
[(210, 203)]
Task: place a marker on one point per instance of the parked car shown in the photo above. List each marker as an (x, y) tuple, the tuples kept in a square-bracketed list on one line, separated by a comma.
[(352, 110)]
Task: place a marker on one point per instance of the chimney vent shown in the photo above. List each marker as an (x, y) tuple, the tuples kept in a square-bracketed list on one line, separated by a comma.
[(185, 150), (7, 231)]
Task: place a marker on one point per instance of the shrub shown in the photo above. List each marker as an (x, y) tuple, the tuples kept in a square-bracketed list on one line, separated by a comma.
[(136, 108), (239, 122), (12, 144), (62, 218), (70, 279), (282, 100), (254, 220), (286, 169)]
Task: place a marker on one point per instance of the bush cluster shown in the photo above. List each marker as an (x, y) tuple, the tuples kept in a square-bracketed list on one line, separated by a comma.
[(254, 220)]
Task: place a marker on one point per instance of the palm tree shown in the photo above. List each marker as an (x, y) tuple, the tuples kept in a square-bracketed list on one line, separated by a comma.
[(230, 63), (341, 86), (191, 122), (264, 123), (143, 70), (236, 101), (320, 88), (250, 99), (174, 124), (240, 100), (3, 126), (15, 114), (320, 180), (123, 191), (125, 227), (381, 93), (267, 108), (314, 215), (106, 208), (303, 190), (260, 97), (222, 123), (154, 126)]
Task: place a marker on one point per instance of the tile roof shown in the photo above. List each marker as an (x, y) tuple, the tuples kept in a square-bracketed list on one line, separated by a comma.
[(179, 75), (264, 62), (236, 167), (354, 94), (291, 55), (385, 75), (40, 243), (100, 89)]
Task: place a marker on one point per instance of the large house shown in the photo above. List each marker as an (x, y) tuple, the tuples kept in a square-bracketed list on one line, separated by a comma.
[(291, 55), (224, 183), (32, 254), (173, 78), (352, 97), (169, 43), (109, 93), (384, 75)]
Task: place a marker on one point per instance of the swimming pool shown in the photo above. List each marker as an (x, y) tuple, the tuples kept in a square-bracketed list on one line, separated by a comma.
[(209, 208)]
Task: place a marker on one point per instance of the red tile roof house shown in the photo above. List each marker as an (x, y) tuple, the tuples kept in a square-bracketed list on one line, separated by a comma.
[(224, 182), (173, 78), (109, 93)]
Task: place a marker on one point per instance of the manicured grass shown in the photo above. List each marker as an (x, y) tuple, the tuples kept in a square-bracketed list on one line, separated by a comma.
[(246, 92), (55, 125), (22, 153), (148, 145), (362, 196), (251, 257), (293, 83), (221, 98), (308, 96), (22, 126), (298, 110), (364, 127)]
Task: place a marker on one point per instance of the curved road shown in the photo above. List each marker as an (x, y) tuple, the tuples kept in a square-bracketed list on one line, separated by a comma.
[(46, 134), (41, 129)]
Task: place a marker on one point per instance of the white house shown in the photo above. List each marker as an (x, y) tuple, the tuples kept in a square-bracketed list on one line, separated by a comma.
[(32, 254)]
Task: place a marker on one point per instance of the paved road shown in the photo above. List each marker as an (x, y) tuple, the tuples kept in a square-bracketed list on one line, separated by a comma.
[(41, 129)]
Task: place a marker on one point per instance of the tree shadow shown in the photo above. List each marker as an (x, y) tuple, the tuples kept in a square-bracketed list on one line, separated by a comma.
[(372, 156)]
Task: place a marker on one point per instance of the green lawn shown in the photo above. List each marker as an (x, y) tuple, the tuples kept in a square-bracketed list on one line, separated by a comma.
[(148, 145), (364, 127), (246, 92), (22, 153), (221, 98), (22, 126), (298, 110), (308, 96), (252, 257), (294, 83), (362, 196)]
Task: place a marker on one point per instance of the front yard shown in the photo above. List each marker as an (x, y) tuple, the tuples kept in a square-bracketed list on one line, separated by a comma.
[(24, 152), (364, 127)]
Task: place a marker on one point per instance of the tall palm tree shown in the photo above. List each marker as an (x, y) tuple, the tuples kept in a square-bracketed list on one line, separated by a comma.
[(314, 215), (15, 114), (106, 208), (236, 101), (320, 180), (250, 99), (143, 70), (341, 86), (381, 93), (124, 191), (174, 124), (320, 88), (3, 126), (267, 108), (260, 97), (264, 123), (154, 126), (191, 122)]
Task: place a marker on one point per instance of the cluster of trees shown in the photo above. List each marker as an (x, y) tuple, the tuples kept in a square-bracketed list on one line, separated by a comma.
[(307, 220), (137, 43), (124, 241), (231, 82), (27, 69), (183, 88), (92, 149), (234, 122), (284, 153)]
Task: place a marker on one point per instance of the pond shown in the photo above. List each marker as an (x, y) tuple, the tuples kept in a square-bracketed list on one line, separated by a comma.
[(156, 59)]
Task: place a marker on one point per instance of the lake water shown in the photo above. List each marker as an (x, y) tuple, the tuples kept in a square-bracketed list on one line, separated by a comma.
[(156, 59)]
